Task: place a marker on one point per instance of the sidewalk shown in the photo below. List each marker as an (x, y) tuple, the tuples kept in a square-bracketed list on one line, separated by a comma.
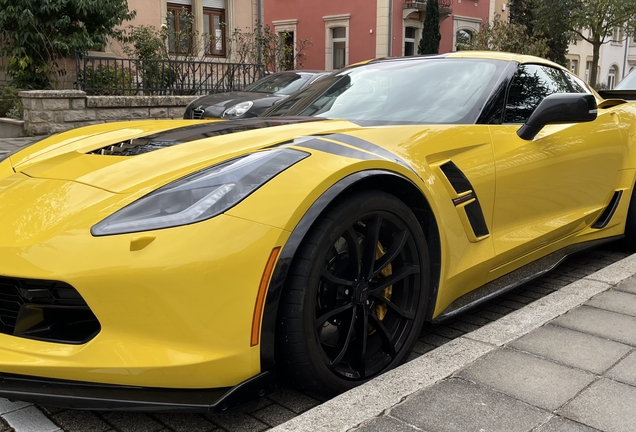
[(566, 362), (10, 144)]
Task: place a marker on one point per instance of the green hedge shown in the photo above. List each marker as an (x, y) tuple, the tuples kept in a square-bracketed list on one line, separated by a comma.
[(10, 103)]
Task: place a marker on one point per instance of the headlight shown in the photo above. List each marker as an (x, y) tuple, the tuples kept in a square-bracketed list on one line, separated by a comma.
[(238, 110), (201, 195)]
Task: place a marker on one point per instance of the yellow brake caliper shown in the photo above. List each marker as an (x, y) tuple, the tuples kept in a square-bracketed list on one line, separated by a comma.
[(381, 309)]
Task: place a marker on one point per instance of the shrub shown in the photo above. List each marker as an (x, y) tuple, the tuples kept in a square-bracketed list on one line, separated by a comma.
[(109, 80), (10, 103)]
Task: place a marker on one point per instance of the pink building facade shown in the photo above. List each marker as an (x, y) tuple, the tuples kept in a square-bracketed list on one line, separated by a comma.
[(346, 32)]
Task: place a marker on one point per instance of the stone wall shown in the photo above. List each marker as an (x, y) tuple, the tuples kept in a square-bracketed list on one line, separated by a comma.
[(51, 111)]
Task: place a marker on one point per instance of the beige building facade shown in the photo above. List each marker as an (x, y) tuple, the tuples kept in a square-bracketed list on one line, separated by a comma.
[(216, 18), (500, 8)]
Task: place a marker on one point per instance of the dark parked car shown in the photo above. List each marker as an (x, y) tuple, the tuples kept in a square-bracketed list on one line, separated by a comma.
[(256, 97)]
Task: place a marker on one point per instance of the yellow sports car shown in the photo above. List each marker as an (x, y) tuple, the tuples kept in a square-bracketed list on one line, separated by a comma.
[(176, 265)]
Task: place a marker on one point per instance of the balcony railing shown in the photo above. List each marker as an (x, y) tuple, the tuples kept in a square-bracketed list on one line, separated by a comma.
[(421, 5)]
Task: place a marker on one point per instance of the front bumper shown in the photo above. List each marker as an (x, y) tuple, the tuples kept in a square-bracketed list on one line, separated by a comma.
[(175, 306), (103, 397)]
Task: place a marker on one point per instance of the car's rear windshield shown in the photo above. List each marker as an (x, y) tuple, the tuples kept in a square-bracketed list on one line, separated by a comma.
[(284, 84), (433, 90)]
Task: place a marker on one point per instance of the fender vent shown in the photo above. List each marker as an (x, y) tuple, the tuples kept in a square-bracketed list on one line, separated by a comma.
[(604, 218), (456, 178), (463, 187)]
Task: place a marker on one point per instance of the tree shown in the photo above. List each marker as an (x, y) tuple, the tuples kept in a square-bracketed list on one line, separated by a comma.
[(520, 13), (547, 20), (501, 36), (595, 21), (550, 22), (429, 44), (34, 35)]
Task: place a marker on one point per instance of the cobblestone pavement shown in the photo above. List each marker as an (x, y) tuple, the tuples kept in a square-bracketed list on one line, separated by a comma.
[(287, 403)]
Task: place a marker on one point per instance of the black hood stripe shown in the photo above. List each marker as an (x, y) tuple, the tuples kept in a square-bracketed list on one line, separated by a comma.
[(195, 132)]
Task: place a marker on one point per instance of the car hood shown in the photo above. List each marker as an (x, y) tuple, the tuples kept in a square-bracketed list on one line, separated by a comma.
[(138, 156), (216, 104), (226, 100)]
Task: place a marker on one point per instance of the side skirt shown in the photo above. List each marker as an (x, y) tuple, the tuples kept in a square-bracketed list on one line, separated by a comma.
[(515, 278)]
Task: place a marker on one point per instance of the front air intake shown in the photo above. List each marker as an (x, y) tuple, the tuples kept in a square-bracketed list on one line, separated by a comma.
[(45, 310)]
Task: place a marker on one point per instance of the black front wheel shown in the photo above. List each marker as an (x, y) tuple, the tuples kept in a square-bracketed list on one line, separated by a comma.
[(354, 301)]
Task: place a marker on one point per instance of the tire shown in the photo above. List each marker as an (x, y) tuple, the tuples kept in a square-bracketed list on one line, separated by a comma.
[(352, 308)]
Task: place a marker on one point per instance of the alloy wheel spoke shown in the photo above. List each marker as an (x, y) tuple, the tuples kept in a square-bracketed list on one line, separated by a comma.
[(347, 341), (321, 320), (399, 241), (351, 237), (395, 277), (365, 337), (334, 280), (371, 245), (409, 315), (386, 337)]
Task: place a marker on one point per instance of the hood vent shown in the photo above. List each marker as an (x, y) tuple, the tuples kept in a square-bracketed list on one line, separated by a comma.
[(137, 146)]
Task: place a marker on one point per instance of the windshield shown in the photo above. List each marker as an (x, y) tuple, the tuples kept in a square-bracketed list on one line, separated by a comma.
[(628, 83), (433, 90), (284, 84)]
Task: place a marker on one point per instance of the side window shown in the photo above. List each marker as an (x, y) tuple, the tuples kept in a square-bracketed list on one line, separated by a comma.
[(530, 85), (578, 86)]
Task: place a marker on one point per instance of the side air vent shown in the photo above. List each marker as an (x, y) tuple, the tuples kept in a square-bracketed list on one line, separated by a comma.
[(604, 218), (456, 178), (466, 202), (476, 219)]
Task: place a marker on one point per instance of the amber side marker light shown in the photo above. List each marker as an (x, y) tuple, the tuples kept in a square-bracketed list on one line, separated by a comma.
[(260, 298)]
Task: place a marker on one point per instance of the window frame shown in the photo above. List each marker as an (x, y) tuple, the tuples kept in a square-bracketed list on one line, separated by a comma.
[(412, 40), (175, 9), (334, 21), (209, 14)]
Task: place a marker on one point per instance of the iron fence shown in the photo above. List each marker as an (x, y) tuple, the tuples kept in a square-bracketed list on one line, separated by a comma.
[(173, 77)]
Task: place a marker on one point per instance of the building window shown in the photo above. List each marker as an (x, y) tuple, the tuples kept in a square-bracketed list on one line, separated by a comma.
[(611, 77), (339, 44), (179, 21), (290, 50), (574, 67), (336, 41), (462, 39), (286, 30), (409, 40), (214, 27), (588, 67)]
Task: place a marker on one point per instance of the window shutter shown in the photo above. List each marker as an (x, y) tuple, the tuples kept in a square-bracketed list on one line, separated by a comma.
[(215, 4), (181, 2)]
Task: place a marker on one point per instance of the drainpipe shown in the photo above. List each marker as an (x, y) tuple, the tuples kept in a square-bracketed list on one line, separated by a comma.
[(259, 22), (390, 27), (626, 50)]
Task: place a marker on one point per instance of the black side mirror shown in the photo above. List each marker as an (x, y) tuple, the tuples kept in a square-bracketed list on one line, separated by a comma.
[(559, 108)]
